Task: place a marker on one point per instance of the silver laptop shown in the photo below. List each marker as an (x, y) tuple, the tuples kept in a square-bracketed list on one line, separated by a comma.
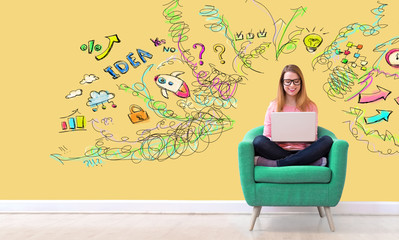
[(293, 126)]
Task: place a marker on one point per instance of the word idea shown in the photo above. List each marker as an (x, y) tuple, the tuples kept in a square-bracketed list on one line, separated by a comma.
[(123, 67)]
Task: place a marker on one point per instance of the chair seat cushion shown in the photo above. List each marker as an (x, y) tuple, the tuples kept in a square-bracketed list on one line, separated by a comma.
[(292, 174)]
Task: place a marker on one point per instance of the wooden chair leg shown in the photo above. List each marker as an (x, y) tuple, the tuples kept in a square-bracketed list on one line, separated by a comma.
[(255, 214), (329, 218), (321, 213), (260, 209)]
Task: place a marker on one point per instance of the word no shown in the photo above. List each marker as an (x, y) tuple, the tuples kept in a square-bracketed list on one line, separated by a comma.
[(123, 67), (169, 49)]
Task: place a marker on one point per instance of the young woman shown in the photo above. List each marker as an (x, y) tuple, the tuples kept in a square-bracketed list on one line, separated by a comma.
[(291, 97)]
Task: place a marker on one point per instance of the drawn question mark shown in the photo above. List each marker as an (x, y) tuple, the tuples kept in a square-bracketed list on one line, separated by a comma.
[(202, 51), (215, 47)]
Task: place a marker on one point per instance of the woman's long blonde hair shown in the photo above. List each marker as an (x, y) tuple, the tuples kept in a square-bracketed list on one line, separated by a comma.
[(302, 99)]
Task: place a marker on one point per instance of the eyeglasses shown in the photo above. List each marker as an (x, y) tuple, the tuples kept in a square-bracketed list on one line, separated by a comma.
[(288, 82)]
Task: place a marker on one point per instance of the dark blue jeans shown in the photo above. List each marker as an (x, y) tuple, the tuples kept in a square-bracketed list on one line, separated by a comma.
[(268, 149)]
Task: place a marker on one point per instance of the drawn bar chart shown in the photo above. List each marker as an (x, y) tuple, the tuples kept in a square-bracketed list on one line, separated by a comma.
[(74, 124)]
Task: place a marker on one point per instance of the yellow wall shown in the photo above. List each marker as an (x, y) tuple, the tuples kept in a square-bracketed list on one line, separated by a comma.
[(42, 63)]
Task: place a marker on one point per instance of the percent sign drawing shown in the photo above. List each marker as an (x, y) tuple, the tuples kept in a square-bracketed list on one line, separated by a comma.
[(112, 39), (90, 47)]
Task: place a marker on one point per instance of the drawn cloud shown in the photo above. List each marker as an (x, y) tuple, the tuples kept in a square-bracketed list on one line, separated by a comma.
[(99, 97), (89, 78), (74, 93)]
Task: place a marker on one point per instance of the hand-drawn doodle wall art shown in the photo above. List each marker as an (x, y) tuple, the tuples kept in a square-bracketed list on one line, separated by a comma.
[(312, 42), (173, 84), (123, 66), (89, 78), (100, 97), (137, 114), (176, 135), (179, 106), (90, 46), (73, 122), (222, 48), (74, 93), (202, 123), (282, 31), (366, 88)]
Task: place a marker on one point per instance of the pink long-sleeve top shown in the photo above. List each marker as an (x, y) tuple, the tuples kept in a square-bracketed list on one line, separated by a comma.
[(267, 125)]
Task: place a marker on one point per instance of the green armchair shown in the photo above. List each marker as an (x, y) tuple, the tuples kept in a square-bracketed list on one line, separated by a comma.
[(292, 185)]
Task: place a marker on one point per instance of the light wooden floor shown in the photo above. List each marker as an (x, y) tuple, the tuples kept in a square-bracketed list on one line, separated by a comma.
[(59, 226)]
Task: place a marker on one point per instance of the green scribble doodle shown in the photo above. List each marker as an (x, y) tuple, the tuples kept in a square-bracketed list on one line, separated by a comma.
[(173, 16)]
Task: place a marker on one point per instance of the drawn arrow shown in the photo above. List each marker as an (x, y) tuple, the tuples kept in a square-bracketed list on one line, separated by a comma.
[(73, 113), (298, 12), (373, 97), (397, 100), (112, 39), (382, 115)]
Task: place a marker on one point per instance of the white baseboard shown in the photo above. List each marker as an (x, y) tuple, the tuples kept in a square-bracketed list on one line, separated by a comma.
[(183, 207)]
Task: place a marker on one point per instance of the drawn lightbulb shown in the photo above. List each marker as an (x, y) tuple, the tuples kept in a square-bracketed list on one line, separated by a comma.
[(312, 42)]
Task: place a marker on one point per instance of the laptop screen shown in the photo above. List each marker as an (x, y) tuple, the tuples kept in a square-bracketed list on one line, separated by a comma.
[(293, 126)]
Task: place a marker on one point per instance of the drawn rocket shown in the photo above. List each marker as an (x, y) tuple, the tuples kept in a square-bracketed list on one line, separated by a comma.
[(172, 83)]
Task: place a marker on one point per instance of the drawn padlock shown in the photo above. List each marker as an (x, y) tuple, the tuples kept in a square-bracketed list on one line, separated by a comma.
[(137, 114)]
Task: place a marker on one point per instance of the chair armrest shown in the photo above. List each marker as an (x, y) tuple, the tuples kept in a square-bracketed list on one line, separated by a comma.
[(254, 132), (246, 155), (337, 160)]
